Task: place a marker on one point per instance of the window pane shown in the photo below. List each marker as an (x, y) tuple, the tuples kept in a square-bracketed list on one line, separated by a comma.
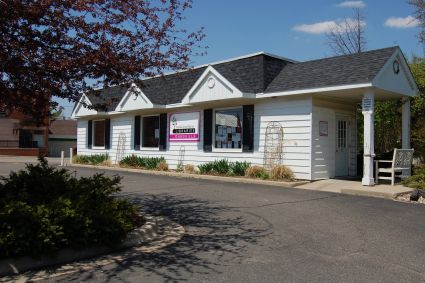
[(150, 131), (99, 133), (228, 128)]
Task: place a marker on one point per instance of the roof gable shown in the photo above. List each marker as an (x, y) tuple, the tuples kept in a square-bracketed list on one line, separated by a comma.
[(81, 110), (169, 89), (395, 76), (211, 85), (134, 99)]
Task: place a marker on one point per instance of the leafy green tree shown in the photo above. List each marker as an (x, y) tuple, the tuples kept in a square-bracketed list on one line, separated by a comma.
[(417, 67)]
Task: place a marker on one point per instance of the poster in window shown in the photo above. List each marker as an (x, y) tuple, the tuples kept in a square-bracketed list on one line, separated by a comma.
[(184, 126), (323, 128)]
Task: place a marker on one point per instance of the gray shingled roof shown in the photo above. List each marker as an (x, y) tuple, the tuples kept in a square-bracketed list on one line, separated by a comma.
[(256, 74), (333, 71), (249, 75), (170, 89), (108, 98)]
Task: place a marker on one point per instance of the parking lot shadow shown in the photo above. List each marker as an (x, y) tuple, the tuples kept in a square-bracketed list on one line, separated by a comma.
[(215, 235)]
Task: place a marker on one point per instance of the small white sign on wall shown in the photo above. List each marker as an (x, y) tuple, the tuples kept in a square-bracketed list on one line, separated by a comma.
[(367, 104), (184, 126), (323, 128)]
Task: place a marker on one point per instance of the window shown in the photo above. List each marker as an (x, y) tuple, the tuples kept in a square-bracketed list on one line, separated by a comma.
[(99, 133), (342, 134), (228, 128), (150, 131)]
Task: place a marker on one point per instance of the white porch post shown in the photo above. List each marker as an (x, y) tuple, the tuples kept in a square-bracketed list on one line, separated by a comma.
[(368, 143), (405, 127)]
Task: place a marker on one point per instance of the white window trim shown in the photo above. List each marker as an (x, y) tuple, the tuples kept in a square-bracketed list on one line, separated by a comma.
[(141, 134), (215, 149), (92, 136)]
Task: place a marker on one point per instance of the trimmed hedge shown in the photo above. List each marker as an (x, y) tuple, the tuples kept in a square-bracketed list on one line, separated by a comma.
[(44, 209)]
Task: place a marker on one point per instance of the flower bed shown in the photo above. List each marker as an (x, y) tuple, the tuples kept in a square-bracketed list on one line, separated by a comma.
[(221, 167)]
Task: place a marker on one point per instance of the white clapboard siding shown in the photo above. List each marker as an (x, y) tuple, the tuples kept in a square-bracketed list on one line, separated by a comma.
[(82, 135), (323, 147), (293, 114)]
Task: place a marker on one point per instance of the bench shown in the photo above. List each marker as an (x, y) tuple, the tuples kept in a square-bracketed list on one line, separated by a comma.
[(401, 163)]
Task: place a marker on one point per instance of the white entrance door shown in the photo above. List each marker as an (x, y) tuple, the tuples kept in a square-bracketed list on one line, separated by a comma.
[(342, 147)]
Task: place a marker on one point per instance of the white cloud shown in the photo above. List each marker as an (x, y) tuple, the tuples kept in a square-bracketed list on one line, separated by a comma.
[(407, 22), (351, 4), (326, 26)]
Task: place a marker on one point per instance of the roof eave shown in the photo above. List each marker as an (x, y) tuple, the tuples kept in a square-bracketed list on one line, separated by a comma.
[(314, 90)]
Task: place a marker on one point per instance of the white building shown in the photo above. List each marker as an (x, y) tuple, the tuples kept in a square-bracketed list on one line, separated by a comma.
[(222, 110)]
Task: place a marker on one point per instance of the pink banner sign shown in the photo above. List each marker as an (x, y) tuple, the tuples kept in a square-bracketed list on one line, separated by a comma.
[(184, 126)]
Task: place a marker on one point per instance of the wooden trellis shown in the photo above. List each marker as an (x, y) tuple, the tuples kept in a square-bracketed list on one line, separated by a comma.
[(273, 145), (120, 147)]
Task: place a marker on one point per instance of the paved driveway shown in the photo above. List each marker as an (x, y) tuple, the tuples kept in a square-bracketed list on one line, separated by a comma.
[(252, 233)]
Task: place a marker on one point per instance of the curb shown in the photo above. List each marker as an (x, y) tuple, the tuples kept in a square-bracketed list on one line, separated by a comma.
[(197, 176), (386, 195), (155, 228)]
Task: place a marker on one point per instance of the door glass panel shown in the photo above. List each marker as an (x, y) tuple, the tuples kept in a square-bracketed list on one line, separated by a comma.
[(342, 134)]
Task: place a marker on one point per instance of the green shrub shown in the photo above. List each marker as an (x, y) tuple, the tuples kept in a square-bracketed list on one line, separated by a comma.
[(44, 209), (205, 168), (417, 180), (239, 168), (264, 175), (221, 167), (141, 162), (152, 162), (224, 167), (94, 159)]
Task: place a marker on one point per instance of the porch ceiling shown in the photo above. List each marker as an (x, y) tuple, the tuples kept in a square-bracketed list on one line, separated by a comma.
[(356, 95)]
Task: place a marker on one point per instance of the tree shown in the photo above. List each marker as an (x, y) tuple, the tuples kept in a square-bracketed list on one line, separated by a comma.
[(417, 66), (56, 113), (348, 37), (66, 47), (420, 15)]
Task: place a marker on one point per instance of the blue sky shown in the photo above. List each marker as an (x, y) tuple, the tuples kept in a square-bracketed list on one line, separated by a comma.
[(294, 28)]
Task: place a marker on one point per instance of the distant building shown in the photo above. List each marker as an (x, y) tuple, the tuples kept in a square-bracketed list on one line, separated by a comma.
[(20, 135), (62, 137)]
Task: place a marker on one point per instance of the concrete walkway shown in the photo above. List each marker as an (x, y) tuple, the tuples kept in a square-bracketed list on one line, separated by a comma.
[(352, 187)]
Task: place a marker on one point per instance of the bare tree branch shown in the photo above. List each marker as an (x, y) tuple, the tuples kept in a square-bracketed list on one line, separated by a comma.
[(420, 15), (348, 36)]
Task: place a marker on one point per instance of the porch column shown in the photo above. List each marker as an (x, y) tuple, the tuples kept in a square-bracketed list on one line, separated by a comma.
[(405, 127), (368, 143)]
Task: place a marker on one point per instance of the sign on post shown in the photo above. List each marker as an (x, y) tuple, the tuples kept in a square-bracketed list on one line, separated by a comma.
[(367, 104)]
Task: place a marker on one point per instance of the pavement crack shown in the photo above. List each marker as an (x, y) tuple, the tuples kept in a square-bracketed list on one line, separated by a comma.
[(286, 202)]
